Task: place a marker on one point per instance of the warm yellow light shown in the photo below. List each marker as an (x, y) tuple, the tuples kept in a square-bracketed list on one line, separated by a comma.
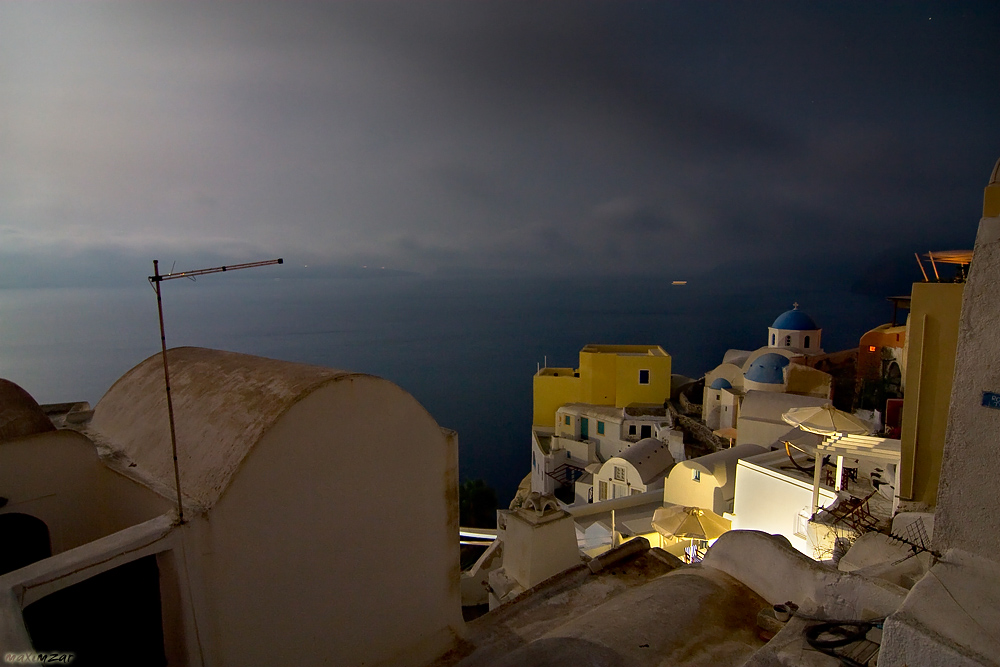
[(871, 348)]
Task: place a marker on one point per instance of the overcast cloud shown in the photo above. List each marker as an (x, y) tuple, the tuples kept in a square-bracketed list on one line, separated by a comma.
[(516, 137)]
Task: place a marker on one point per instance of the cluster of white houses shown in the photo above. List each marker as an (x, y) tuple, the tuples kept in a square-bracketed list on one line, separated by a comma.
[(624, 443)]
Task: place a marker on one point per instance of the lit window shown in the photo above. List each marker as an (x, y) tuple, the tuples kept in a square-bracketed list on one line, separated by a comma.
[(619, 473), (871, 348), (567, 420), (600, 428), (801, 526), (644, 377), (696, 475)]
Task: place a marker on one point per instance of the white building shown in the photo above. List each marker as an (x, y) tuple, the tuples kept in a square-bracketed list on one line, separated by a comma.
[(565, 459), (708, 482), (760, 421), (775, 497), (640, 468), (292, 477)]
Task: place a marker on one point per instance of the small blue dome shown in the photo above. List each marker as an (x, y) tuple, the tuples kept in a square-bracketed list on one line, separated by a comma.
[(794, 320), (766, 369), (720, 383)]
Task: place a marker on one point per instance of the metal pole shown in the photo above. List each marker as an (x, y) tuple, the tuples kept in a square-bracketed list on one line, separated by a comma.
[(930, 256), (817, 475), (921, 264), (166, 381), (156, 279)]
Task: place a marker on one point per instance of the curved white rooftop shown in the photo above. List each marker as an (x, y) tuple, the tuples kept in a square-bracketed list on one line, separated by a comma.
[(650, 457), (224, 402)]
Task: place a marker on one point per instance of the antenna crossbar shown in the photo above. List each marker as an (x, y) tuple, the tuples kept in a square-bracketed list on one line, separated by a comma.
[(155, 281), (156, 278)]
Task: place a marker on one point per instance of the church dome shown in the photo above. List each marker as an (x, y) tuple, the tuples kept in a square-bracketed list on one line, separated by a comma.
[(794, 320), (767, 369), (20, 414), (720, 383)]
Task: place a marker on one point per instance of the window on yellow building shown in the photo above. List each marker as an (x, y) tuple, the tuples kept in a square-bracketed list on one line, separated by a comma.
[(644, 376)]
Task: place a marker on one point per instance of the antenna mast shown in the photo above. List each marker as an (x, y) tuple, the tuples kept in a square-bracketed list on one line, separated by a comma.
[(155, 281)]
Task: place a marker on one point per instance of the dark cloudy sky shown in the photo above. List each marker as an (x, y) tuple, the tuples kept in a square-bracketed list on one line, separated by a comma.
[(556, 138)]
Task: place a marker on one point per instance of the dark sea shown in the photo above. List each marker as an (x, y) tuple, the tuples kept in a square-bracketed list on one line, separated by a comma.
[(466, 348)]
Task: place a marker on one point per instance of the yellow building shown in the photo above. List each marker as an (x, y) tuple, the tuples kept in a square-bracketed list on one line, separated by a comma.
[(617, 375), (931, 343), (931, 340)]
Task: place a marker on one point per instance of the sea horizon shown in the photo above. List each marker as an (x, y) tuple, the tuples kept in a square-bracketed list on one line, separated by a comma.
[(466, 348)]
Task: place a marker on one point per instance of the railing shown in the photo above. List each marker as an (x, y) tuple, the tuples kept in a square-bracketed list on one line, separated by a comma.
[(477, 536), (566, 473)]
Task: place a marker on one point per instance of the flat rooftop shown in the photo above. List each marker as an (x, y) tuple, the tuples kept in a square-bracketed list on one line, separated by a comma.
[(627, 350)]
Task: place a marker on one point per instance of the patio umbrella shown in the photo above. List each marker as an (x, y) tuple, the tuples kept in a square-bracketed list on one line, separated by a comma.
[(826, 420), (692, 523)]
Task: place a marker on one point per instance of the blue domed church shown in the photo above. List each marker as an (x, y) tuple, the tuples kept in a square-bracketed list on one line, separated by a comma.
[(781, 366), (795, 330)]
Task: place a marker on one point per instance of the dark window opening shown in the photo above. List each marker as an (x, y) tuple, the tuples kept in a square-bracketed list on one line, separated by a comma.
[(25, 540), (644, 377), (114, 618)]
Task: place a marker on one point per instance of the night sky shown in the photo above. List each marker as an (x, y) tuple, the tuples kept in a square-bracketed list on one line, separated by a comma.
[(493, 138)]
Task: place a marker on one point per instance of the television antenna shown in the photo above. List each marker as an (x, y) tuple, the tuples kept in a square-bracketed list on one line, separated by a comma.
[(155, 281)]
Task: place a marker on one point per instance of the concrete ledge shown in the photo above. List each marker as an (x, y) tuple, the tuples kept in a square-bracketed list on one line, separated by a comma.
[(33, 582), (777, 572), (951, 617)]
